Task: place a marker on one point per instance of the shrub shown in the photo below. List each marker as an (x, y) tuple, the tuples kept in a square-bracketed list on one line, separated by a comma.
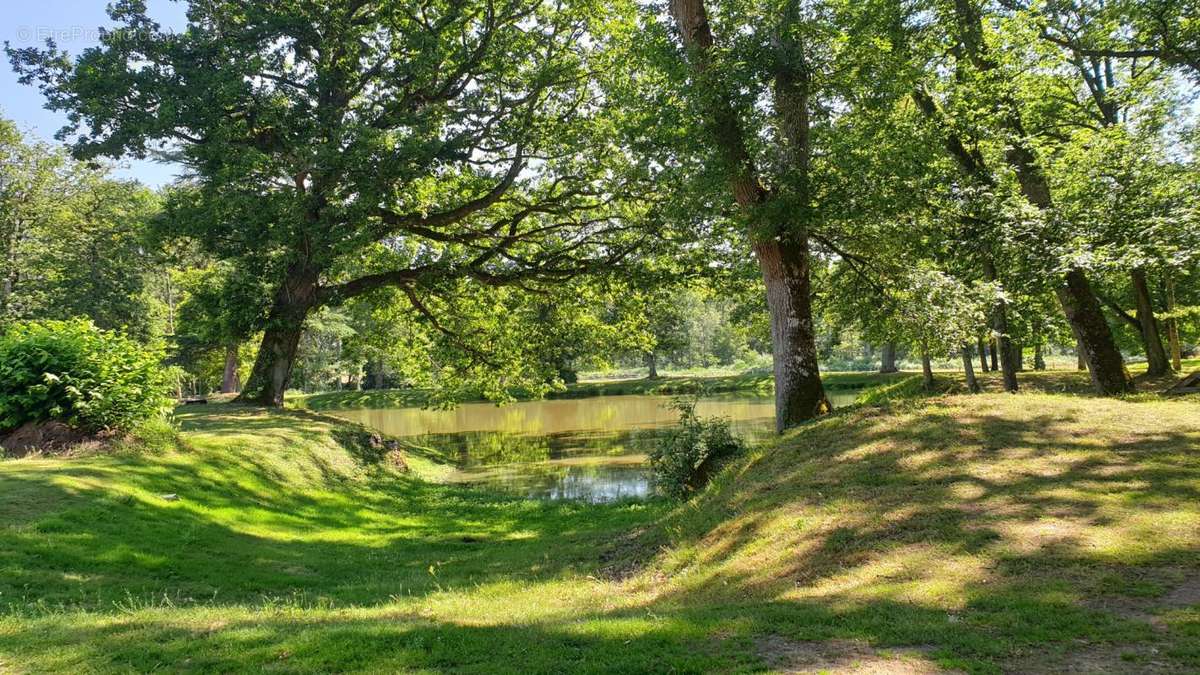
[(78, 374), (686, 457)]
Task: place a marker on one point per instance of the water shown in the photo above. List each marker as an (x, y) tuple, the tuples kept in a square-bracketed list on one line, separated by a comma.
[(590, 449)]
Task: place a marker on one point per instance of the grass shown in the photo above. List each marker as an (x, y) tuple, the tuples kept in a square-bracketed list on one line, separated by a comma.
[(1045, 532)]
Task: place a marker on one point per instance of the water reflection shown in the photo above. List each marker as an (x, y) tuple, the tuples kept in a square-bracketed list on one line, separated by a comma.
[(591, 449)]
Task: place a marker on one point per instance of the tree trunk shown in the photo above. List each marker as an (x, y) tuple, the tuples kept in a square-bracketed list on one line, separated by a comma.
[(6, 289), (983, 362), (1104, 362), (272, 370), (1156, 357), (651, 366), (1003, 343), (969, 370), (799, 394), (994, 352), (926, 370), (1173, 328), (376, 374), (1039, 361), (888, 358), (782, 251), (1080, 359), (231, 382), (1018, 356)]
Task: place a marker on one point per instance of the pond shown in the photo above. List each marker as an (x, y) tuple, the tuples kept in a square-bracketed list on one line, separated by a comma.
[(591, 449)]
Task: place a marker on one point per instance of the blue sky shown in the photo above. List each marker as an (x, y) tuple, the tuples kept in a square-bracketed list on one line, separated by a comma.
[(72, 24)]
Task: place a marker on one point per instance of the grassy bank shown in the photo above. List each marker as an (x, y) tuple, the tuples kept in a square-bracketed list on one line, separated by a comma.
[(753, 383), (1036, 533)]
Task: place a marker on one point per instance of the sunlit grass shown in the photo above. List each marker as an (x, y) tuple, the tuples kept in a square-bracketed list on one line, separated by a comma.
[(1031, 532)]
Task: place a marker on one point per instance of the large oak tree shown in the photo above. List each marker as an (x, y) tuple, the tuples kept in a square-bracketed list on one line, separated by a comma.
[(340, 147)]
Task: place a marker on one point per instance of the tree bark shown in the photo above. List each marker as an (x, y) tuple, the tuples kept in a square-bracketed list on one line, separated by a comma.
[(782, 251), (799, 393), (6, 289), (377, 375), (1003, 343), (926, 370), (969, 370), (983, 362), (1104, 362), (231, 382), (994, 351), (651, 366), (1039, 361), (272, 371), (1156, 357), (888, 358), (1018, 356), (1173, 328)]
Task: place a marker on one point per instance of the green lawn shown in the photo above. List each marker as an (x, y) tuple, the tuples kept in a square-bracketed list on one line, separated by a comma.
[(1043, 532)]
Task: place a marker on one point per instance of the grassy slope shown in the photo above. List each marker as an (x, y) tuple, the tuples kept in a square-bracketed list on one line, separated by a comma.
[(1034, 532)]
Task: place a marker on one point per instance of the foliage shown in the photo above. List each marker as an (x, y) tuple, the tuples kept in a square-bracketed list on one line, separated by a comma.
[(72, 239), (74, 372), (939, 313), (340, 149), (684, 459)]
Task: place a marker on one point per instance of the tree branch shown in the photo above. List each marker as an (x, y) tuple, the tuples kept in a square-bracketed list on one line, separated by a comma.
[(396, 221)]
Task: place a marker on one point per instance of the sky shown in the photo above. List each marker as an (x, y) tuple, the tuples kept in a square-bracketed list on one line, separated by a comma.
[(72, 24)]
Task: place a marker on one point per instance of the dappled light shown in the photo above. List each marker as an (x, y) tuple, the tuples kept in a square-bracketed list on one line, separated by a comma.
[(968, 525), (556, 336)]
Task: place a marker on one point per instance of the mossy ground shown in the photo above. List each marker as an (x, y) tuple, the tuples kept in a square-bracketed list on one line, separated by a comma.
[(1042, 532)]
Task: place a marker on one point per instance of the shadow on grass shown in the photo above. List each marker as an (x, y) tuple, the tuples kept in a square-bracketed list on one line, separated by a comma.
[(274, 519), (983, 529)]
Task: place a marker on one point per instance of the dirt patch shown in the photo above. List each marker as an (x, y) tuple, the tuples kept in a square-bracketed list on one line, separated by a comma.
[(49, 438), (1182, 595), (1094, 659), (845, 657), (396, 460)]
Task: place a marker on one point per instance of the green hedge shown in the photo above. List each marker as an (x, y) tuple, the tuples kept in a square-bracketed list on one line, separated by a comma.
[(78, 374)]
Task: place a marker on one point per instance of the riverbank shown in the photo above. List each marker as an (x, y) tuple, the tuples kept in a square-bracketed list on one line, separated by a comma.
[(753, 382), (1043, 532)]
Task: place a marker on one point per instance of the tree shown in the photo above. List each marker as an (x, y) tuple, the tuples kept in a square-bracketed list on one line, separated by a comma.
[(346, 147), (72, 239), (940, 315), (222, 306), (663, 310), (985, 88), (771, 95), (1132, 29), (1118, 121), (781, 244)]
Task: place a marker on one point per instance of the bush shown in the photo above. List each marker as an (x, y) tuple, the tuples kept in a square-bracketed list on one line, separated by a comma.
[(690, 454), (75, 373)]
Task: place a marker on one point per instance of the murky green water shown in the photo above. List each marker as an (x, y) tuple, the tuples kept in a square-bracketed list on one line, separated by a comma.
[(591, 449)]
